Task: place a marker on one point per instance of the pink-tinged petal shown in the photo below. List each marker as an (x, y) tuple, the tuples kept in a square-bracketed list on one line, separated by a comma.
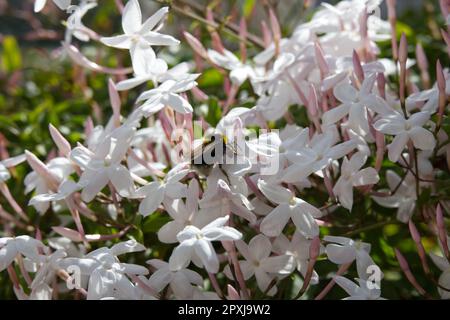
[(62, 4), (219, 222), (120, 42), (168, 232), (340, 254), (178, 103), (422, 138), (205, 251), (263, 280), (349, 286), (160, 279), (181, 255), (260, 247), (152, 200), (358, 120), (283, 264), (342, 149), (344, 92), (7, 255), (151, 22), (396, 147), (419, 119), (134, 269), (181, 287), (132, 17), (305, 222), (365, 177), (176, 190), (121, 179), (97, 288), (14, 161), (132, 83), (244, 250), (142, 55), (274, 223), (224, 234), (356, 162), (275, 193), (368, 84), (392, 124), (126, 247), (376, 104), (343, 189), (406, 210), (39, 5), (158, 39), (94, 185), (334, 115), (440, 262)]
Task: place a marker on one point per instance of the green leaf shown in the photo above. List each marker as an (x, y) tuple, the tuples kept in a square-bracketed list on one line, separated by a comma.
[(11, 58), (214, 112), (154, 222), (248, 7), (210, 78)]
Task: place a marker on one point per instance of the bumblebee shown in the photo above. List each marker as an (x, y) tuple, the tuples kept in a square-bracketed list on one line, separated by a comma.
[(212, 151)]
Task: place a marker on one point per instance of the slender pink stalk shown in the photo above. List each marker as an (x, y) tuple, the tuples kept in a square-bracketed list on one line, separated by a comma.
[(402, 57), (115, 102), (276, 30), (12, 202), (381, 85), (420, 249), (422, 62), (407, 271), (342, 269), (441, 83), (381, 145), (392, 16), (446, 37), (243, 35), (267, 36), (442, 233)]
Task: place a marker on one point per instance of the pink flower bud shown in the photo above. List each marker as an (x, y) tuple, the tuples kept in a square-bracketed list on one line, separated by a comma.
[(232, 293), (414, 232), (391, 8), (422, 60), (440, 77), (445, 4), (357, 67), (243, 35), (442, 233), (41, 169), (196, 45), (446, 37), (403, 50), (61, 142), (312, 105), (115, 102), (276, 30), (68, 233), (321, 61), (407, 271)]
